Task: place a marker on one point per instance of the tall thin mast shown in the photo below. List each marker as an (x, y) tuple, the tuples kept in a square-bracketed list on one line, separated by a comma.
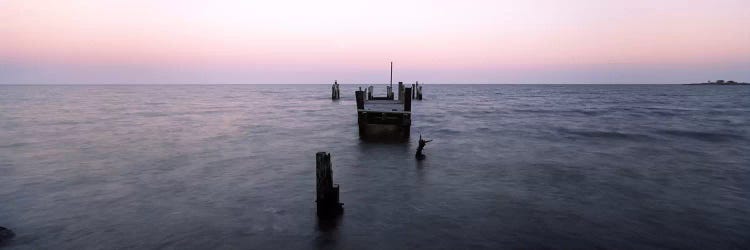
[(391, 75)]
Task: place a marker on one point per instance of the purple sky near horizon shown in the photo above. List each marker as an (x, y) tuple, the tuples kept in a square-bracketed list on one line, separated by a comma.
[(476, 41)]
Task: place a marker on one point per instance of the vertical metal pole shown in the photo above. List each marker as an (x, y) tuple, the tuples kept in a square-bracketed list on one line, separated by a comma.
[(391, 75)]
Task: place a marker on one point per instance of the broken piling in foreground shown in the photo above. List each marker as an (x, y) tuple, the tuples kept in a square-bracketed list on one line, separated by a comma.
[(327, 194)]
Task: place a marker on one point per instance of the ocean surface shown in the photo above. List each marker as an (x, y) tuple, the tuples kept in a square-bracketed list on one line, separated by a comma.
[(511, 166)]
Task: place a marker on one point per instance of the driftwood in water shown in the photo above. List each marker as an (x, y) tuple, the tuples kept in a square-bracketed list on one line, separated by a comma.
[(422, 143), (327, 194)]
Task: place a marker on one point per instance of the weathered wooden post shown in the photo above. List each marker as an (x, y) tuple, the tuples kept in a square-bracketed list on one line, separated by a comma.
[(360, 95), (327, 194), (335, 94), (361, 114), (414, 92), (370, 93), (407, 99), (406, 118), (419, 91), (389, 92), (400, 91)]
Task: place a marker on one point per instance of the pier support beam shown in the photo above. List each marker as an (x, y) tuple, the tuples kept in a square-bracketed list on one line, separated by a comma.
[(327, 194), (361, 119), (406, 119), (360, 95), (407, 99)]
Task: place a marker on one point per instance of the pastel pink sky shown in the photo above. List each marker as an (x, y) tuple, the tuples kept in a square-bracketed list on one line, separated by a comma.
[(536, 41)]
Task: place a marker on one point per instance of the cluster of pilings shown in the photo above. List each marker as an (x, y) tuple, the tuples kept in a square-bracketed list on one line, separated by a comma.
[(416, 93), (370, 93), (327, 194), (335, 92), (367, 92)]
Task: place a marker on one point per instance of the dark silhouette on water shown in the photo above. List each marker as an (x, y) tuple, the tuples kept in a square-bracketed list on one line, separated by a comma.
[(720, 82), (335, 91), (5, 235), (422, 143), (384, 118), (327, 194)]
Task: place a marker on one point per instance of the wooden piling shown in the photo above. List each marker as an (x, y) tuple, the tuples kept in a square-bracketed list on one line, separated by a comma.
[(407, 100), (333, 91), (360, 95), (327, 194), (361, 116), (406, 120), (400, 91)]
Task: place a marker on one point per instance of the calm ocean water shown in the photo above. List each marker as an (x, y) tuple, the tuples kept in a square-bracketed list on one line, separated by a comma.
[(511, 166)]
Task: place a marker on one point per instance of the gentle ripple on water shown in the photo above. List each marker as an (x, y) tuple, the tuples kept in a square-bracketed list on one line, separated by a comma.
[(512, 166)]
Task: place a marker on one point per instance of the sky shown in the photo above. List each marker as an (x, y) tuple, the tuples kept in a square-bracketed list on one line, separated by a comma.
[(282, 41)]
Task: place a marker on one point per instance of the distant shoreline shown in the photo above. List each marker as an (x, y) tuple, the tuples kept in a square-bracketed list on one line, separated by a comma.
[(345, 84), (725, 84), (719, 82)]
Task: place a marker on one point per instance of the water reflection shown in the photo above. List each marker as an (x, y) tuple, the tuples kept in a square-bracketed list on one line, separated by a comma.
[(328, 232)]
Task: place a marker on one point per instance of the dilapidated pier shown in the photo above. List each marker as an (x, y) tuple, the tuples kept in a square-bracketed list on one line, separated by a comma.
[(384, 116)]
